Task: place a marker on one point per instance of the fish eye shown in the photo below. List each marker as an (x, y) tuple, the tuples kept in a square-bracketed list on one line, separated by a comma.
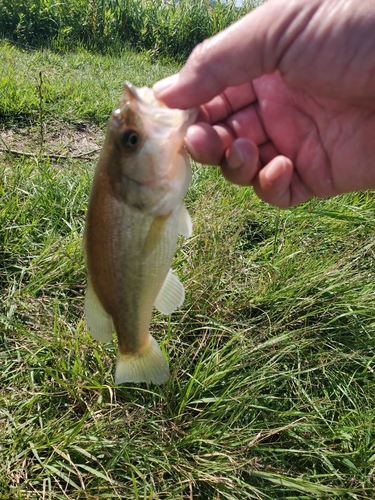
[(130, 139)]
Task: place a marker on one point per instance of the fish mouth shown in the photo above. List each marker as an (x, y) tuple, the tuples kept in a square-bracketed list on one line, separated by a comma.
[(143, 99), (130, 91)]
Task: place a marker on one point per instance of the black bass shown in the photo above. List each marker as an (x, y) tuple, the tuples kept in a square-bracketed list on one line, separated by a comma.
[(134, 217)]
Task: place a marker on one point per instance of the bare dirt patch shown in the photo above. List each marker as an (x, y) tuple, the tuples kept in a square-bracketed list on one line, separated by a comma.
[(59, 139)]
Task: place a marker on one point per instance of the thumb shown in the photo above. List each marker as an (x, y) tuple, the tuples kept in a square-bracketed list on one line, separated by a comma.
[(250, 47)]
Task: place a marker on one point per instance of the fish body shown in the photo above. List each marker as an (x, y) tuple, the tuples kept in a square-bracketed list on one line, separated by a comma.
[(134, 216)]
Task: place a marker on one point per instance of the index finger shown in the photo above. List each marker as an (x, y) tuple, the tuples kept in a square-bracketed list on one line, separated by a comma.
[(250, 47)]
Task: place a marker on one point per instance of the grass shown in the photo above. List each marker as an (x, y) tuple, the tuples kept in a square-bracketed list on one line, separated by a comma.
[(159, 27), (272, 392), (76, 88)]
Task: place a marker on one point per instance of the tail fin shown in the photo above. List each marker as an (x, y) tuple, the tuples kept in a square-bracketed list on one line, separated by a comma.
[(148, 365)]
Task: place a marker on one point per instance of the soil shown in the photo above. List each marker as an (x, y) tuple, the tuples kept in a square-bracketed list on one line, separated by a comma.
[(59, 139)]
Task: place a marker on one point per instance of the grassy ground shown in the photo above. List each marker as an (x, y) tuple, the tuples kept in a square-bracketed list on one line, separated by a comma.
[(272, 392), (160, 27)]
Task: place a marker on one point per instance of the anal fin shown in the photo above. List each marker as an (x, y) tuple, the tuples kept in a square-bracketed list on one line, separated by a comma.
[(185, 226), (99, 323), (171, 295)]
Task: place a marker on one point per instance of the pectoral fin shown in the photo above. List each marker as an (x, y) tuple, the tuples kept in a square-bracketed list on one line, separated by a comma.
[(99, 323), (185, 227), (171, 295)]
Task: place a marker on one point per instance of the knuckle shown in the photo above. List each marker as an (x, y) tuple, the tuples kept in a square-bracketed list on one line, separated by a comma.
[(199, 54)]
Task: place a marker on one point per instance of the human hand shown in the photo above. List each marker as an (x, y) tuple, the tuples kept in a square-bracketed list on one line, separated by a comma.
[(287, 99)]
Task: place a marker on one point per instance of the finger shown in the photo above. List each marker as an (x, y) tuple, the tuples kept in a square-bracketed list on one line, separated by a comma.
[(207, 144), (279, 185), (227, 103), (272, 184), (204, 144), (241, 163), (267, 152), (250, 47), (246, 124)]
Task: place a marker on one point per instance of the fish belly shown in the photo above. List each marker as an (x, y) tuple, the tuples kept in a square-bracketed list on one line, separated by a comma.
[(128, 256)]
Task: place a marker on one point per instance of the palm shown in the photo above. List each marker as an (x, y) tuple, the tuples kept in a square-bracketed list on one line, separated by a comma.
[(309, 132), (324, 138)]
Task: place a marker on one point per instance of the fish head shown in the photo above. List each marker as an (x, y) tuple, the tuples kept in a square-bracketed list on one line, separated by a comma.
[(147, 139)]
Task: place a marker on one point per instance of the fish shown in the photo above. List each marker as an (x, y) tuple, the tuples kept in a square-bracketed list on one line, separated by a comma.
[(134, 216)]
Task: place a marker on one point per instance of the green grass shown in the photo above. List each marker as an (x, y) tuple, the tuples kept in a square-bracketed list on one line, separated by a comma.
[(76, 87), (272, 393), (160, 27)]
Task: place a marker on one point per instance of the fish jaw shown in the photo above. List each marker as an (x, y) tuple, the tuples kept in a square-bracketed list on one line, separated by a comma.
[(160, 119), (159, 162)]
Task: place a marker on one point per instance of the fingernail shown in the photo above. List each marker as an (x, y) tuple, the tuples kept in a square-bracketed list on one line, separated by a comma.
[(192, 130), (275, 170), (235, 157), (162, 85)]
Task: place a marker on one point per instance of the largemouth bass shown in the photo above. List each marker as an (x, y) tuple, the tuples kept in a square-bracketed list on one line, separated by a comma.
[(134, 216)]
